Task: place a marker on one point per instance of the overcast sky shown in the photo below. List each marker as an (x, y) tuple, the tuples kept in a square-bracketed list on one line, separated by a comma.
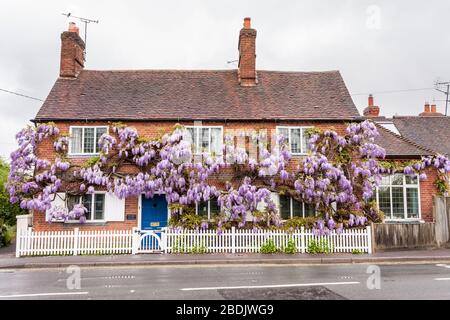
[(378, 46)]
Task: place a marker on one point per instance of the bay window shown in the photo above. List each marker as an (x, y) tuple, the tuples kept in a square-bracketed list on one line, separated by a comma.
[(296, 139), (398, 197), (84, 140), (205, 139)]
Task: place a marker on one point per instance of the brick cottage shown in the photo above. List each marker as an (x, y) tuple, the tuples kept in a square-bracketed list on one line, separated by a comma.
[(83, 103)]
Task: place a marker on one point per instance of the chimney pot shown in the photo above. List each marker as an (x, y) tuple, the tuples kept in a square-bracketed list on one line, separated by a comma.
[(73, 27), (427, 107), (433, 108), (370, 100), (247, 23)]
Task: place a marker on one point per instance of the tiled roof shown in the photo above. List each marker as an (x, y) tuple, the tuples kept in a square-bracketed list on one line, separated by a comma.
[(429, 132), (399, 146), (202, 95)]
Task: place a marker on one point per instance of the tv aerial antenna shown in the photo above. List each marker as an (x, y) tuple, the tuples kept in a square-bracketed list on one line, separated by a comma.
[(444, 87), (86, 21)]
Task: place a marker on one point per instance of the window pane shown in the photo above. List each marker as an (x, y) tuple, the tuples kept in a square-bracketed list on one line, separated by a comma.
[(295, 141), (204, 137), (75, 140), (384, 199), (285, 207), (216, 141), (411, 180), (99, 133), (71, 201), (305, 139), (412, 200), (87, 203), (310, 210), (297, 208), (99, 206), (285, 133), (397, 179), (89, 140), (385, 180), (214, 207), (191, 136), (203, 209), (398, 208)]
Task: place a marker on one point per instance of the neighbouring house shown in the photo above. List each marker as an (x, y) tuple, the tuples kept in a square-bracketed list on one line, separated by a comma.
[(83, 103)]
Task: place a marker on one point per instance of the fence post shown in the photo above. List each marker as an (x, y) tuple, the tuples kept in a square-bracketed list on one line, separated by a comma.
[(233, 239), (369, 239), (163, 243), (18, 242), (75, 241), (134, 240), (302, 239)]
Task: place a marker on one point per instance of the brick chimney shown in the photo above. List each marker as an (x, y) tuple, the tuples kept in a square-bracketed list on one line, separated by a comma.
[(72, 52), (430, 111), (247, 55), (371, 111)]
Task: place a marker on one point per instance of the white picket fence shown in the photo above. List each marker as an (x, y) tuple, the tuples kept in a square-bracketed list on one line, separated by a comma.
[(76, 242), (248, 241)]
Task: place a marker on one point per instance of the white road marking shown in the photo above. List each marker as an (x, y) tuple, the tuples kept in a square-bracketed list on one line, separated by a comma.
[(44, 294), (442, 279), (443, 265), (274, 286)]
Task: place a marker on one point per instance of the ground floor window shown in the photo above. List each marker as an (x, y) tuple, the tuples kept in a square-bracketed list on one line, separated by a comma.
[(398, 197), (290, 208), (208, 209), (94, 203)]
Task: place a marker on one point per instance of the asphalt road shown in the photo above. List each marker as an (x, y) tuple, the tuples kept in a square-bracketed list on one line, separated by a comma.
[(399, 281)]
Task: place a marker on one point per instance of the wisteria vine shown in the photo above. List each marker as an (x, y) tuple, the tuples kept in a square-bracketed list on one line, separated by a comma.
[(338, 176)]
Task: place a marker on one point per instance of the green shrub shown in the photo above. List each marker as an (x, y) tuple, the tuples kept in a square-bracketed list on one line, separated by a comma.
[(291, 248), (198, 249), (320, 246), (357, 251), (298, 222), (269, 247)]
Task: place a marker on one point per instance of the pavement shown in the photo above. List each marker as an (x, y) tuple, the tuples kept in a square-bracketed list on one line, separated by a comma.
[(8, 259)]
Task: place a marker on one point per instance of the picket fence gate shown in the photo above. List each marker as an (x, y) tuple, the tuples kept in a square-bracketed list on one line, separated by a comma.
[(76, 242)]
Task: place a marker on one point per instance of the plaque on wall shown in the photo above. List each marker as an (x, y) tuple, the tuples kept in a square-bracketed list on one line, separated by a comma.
[(131, 216)]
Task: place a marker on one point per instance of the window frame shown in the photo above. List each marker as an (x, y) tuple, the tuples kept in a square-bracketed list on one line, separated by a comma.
[(209, 209), (302, 129), (291, 208), (198, 145), (70, 153), (91, 220), (404, 187)]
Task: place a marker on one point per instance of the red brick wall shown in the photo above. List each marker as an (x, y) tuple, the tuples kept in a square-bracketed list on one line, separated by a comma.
[(427, 190)]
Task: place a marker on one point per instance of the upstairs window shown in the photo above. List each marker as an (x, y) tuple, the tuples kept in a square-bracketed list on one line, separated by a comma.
[(296, 139), (84, 140), (291, 208), (398, 197), (206, 139), (94, 203)]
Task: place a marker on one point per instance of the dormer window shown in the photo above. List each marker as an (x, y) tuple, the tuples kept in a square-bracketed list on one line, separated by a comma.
[(84, 140)]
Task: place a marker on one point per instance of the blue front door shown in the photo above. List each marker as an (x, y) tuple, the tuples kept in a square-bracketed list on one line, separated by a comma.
[(154, 212)]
